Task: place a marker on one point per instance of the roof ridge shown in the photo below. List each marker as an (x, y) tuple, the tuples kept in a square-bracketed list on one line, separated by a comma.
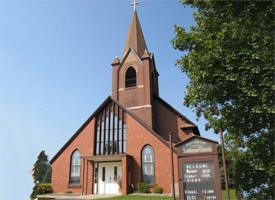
[(109, 98), (145, 125), (174, 110), (79, 130)]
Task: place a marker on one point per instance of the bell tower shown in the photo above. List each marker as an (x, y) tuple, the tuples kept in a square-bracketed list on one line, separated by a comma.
[(135, 78)]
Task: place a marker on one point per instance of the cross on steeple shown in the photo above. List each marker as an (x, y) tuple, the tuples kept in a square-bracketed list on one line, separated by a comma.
[(135, 39), (134, 4)]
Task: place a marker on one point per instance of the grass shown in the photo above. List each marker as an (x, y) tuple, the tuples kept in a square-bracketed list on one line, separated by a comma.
[(232, 193), (139, 197)]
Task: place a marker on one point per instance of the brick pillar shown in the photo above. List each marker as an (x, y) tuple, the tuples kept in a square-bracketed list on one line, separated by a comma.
[(124, 178), (89, 184)]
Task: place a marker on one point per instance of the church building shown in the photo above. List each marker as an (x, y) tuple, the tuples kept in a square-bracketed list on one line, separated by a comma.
[(126, 140)]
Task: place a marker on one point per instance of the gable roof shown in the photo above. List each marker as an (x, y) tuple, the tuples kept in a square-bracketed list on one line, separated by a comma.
[(79, 131), (195, 136), (191, 124), (106, 101), (125, 56)]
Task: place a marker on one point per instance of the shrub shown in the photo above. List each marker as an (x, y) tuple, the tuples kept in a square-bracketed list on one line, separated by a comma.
[(44, 188), (69, 192), (158, 190), (143, 188)]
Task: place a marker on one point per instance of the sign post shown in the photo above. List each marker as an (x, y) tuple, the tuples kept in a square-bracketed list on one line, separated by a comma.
[(172, 166), (224, 167)]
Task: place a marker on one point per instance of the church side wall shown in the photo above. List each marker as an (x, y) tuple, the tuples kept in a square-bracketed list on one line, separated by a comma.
[(61, 166), (166, 121), (137, 138)]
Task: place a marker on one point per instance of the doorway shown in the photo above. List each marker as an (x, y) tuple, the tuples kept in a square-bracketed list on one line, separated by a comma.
[(107, 178)]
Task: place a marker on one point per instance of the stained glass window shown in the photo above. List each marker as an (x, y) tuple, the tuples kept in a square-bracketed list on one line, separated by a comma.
[(148, 171), (110, 131), (75, 167)]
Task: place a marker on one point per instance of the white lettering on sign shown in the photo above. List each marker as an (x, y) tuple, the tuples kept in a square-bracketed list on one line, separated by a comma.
[(207, 191), (211, 198), (191, 197), (191, 171), (199, 181), (191, 192), (190, 176)]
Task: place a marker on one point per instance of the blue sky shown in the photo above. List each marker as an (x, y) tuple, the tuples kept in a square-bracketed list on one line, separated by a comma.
[(55, 71)]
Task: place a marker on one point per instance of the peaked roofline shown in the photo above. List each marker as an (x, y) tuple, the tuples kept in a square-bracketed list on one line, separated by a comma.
[(79, 130), (126, 53), (135, 38), (195, 136), (107, 100), (197, 132)]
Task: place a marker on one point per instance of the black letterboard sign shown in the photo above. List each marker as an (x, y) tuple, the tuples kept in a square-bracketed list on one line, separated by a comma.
[(199, 181)]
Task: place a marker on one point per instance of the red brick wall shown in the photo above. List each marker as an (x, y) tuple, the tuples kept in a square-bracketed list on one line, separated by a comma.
[(134, 96), (137, 138), (166, 121), (61, 166)]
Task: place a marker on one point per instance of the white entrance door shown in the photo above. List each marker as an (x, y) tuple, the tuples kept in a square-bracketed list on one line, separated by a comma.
[(109, 178)]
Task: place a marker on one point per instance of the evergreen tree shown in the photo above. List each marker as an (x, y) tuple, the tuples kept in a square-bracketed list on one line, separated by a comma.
[(40, 170), (48, 175)]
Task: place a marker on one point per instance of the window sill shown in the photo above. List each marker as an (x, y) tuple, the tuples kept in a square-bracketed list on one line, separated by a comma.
[(74, 186)]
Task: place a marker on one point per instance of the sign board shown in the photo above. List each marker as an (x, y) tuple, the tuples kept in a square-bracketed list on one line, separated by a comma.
[(196, 145), (199, 181), (199, 176)]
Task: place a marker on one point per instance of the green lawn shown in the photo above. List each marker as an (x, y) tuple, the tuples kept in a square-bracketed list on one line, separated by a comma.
[(232, 194), (42, 198), (138, 197)]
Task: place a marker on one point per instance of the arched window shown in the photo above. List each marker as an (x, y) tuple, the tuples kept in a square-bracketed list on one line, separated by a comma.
[(131, 77), (148, 168), (75, 168)]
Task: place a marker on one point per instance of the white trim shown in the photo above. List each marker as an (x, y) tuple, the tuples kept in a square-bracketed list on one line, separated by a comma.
[(139, 86), (138, 107)]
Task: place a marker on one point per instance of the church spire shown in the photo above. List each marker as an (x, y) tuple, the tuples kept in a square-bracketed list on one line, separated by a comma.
[(135, 39)]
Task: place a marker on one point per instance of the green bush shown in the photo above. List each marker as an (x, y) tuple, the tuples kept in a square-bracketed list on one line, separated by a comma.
[(158, 190), (44, 188), (143, 188), (69, 192)]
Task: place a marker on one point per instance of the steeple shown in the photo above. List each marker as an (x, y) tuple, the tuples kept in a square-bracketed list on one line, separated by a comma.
[(135, 39), (135, 78)]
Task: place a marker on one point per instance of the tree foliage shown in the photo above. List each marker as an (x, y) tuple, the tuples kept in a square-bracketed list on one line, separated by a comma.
[(229, 59), (48, 175), (41, 172)]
